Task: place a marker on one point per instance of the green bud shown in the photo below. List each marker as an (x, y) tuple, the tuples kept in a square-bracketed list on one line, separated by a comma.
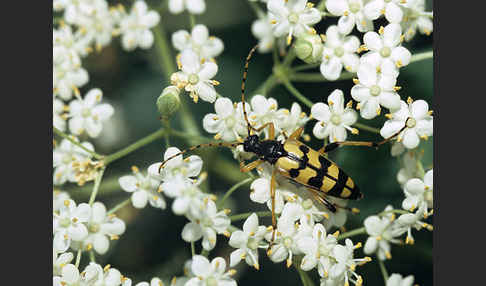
[(309, 48), (169, 102)]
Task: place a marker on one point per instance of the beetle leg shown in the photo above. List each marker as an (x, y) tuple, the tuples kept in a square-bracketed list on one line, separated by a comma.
[(271, 130), (297, 133), (247, 168), (334, 145)]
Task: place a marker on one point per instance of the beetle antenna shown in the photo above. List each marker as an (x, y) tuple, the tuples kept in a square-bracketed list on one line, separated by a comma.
[(243, 87), (219, 144)]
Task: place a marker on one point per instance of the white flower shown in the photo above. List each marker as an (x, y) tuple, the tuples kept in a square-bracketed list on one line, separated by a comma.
[(75, 43), (385, 50), (346, 263), (69, 276), (292, 17), (63, 156), (58, 119), (373, 90), (210, 273), (153, 282), (264, 110), (304, 209), (143, 188), (337, 219), (228, 123), (67, 73), (415, 18), (101, 228), (290, 121), (58, 199), (380, 235), (69, 225), (398, 280), (195, 77), (135, 27), (318, 250), (176, 167), (58, 262), (199, 41), (392, 9), (409, 169), (339, 51), (88, 114), (104, 277), (419, 126), (406, 222), (193, 6), (209, 223), (248, 242), (333, 119), (351, 12), (262, 30), (418, 192), (287, 234)]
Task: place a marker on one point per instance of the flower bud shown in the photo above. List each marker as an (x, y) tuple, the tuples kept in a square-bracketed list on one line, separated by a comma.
[(309, 48), (169, 102)]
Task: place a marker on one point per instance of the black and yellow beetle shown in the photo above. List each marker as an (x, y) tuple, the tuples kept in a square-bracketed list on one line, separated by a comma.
[(295, 160)]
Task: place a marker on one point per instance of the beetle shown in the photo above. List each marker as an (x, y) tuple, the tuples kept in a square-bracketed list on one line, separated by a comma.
[(295, 160)]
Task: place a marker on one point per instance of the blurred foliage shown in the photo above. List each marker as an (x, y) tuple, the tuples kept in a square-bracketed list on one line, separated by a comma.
[(152, 244)]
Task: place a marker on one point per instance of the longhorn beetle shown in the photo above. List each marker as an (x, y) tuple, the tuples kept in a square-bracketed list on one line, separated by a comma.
[(294, 160)]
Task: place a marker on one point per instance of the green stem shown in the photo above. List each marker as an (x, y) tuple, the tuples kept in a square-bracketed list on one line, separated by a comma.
[(353, 232), (231, 190), (367, 128), (163, 50), (119, 206), (305, 67), (246, 215), (78, 258), (267, 85), (70, 138), (192, 20), (289, 58), (321, 6), (96, 186), (134, 146), (301, 275), (92, 256), (296, 93), (166, 124), (193, 248), (383, 270)]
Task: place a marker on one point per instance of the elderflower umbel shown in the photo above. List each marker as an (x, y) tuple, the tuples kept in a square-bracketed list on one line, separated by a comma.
[(339, 51), (419, 126), (210, 273), (63, 157), (264, 110), (247, 242), (418, 192), (406, 222), (196, 77), (290, 121), (101, 228), (199, 41), (351, 12), (292, 17), (207, 224), (88, 114), (396, 279), (333, 119), (192, 6), (374, 89), (228, 122), (135, 27), (144, 189), (415, 18), (392, 9), (317, 249), (385, 52), (68, 224)]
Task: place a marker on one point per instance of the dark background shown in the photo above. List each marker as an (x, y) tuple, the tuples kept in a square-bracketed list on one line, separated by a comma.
[(151, 245)]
